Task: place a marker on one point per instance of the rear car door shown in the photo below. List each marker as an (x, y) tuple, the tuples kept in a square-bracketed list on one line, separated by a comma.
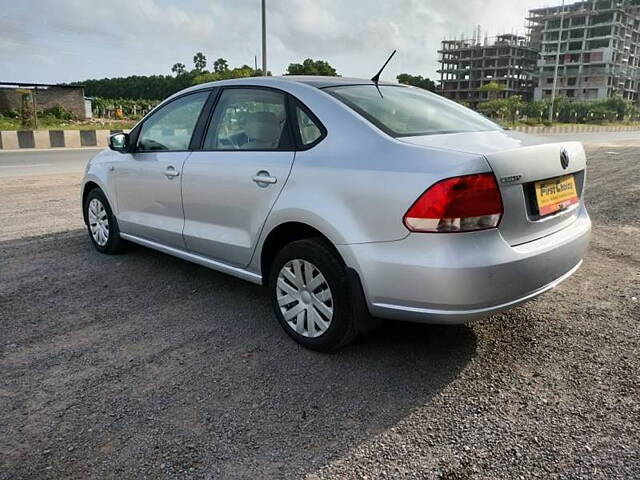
[(229, 187), (148, 180)]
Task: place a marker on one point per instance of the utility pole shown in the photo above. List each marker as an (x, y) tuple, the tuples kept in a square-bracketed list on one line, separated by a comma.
[(264, 38), (555, 72)]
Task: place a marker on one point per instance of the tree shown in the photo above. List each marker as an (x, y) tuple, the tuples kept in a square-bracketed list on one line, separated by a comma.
[(509, 108), (417, 81), (536, 110), (492, 89), (513, 106), (240, 72), (312, 67), (178, 68), (220, 65), (199, 61), (495, 109)]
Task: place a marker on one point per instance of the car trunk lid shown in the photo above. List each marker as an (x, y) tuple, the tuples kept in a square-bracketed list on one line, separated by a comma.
[(519, 162)]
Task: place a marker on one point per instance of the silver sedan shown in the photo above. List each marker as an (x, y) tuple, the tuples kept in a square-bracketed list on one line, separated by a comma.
[(351, 201)]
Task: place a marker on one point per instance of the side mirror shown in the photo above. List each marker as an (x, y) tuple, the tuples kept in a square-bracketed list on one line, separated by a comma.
[(119, 142)]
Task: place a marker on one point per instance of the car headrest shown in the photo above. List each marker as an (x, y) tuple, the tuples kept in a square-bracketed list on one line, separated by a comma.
[(263, 127)]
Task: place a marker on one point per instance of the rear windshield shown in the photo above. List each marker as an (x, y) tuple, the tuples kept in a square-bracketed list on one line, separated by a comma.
[(406, 112)]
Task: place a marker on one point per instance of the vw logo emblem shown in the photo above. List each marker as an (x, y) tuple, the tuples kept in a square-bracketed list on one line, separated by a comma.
[(564, 158)]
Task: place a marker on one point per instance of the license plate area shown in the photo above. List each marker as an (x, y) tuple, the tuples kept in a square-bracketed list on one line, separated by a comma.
[(553, 195), (531, 202)]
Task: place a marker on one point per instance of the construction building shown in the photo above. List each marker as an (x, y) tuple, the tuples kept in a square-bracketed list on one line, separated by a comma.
[(467, 65), (599, 49)]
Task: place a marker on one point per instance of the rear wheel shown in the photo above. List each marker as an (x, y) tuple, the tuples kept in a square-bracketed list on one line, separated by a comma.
[(101, 223), (310, 293)]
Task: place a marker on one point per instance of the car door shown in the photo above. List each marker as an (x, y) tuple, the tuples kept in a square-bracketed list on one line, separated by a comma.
[(148, 180), (229, 187)]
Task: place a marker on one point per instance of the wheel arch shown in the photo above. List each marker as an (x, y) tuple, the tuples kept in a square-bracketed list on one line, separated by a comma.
[(86, 188), (284, 234), (91, 182)]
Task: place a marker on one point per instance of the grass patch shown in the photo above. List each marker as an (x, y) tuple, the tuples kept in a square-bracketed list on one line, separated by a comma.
[(52, 123)]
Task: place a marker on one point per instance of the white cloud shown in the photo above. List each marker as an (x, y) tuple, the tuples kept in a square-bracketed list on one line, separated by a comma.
[(93, 38)]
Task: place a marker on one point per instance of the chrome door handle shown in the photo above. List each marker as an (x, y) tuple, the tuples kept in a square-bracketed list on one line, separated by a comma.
[(171, 172), (263, 179)]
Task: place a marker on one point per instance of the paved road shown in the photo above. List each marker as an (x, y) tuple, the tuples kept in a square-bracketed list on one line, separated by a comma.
[(145, 366), (615, 139), (18, 163)]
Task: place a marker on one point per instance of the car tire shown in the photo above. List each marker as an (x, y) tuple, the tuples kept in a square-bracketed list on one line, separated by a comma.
[(297, 303), (102, 224)]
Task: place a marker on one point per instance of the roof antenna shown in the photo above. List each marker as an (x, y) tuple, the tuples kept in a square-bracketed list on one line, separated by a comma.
[(376, 78)]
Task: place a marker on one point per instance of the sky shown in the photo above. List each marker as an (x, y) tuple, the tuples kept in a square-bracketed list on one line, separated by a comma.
[(44, 41)]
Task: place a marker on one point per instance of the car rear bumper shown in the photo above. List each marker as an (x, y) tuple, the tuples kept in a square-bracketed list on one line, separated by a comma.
[(456, 278)]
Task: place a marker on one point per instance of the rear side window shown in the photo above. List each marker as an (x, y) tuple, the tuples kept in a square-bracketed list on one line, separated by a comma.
[(404, 112), (249, 119), (170, 128), (309, 130)]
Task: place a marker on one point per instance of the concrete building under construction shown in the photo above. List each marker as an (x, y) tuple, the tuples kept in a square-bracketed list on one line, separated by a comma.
[(467, 65), (599, 44)]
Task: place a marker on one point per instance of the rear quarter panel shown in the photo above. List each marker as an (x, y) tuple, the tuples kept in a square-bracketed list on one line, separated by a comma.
[(357, 184)]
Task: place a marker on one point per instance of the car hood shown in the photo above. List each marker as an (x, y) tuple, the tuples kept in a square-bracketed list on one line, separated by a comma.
[(483, 143)]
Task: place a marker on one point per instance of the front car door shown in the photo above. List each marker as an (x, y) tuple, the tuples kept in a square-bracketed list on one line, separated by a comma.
[(229, 187), (148, 180)]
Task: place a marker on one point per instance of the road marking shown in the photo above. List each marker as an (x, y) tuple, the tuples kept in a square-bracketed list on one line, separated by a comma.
[(26, 166)]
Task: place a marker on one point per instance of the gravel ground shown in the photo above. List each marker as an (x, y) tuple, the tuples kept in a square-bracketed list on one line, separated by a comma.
[(39, 205), (145, 366)]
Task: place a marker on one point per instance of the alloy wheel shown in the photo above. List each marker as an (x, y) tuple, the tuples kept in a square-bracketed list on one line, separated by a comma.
[(304, 298)]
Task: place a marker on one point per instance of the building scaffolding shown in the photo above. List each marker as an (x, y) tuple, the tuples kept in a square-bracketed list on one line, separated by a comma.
[(599, 49), (469, 64)]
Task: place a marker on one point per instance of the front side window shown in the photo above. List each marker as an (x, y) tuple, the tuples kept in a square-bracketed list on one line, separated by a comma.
[(309, 130), (404, 112), (171, 127), (248, 119)]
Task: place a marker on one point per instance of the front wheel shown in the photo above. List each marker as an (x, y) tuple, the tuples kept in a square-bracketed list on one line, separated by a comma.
[(101, 223), (309, 290)]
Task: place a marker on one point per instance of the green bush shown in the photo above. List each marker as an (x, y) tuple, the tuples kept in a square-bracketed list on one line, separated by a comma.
[(59, 112), (11, 114), (614, 109)]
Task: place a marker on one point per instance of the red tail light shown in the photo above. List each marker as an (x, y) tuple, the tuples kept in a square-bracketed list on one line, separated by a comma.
[(459, 204)]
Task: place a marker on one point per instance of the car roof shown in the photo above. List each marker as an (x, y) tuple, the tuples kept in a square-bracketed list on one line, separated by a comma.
[(324, 82), (312, 81)]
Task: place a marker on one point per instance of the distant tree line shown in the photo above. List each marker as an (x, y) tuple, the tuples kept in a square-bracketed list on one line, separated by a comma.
[(417, 81), (514, 109), (136, 87), (157, 87)]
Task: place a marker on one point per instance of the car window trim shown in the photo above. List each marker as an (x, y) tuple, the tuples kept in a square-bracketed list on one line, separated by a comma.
[(200, 132), (135, 133), (288, 126)]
